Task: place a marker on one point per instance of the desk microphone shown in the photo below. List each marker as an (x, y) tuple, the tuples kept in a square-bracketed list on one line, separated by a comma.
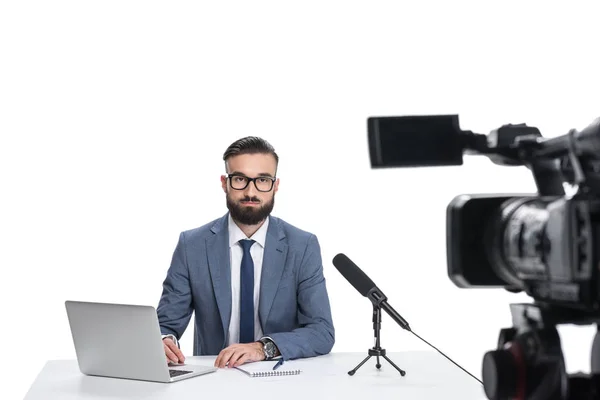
[(365, 286)]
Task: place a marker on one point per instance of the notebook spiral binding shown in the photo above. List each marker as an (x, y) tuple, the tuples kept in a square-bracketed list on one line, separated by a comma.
[(275, 373)]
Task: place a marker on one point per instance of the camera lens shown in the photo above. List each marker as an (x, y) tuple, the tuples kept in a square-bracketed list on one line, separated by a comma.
[(515, 241)]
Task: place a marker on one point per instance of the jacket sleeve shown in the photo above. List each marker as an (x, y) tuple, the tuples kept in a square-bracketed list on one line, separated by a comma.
[(175, 306), (316, 334)]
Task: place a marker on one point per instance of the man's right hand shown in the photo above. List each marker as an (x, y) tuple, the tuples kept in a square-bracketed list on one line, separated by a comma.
[(173, 353)]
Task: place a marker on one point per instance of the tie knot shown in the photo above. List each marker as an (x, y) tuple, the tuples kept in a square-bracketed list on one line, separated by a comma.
[(246, 244)]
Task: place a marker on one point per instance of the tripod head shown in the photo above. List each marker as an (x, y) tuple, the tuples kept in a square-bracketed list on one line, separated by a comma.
[(529, 364)]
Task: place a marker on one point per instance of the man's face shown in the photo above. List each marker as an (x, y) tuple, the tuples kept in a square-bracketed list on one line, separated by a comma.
[(249, 206)]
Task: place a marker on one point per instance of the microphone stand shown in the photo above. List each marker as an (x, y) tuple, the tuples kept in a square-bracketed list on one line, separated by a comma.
[(376, 351)]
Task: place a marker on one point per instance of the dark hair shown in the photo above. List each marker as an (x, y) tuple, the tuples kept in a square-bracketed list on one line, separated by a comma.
[(250, 145)]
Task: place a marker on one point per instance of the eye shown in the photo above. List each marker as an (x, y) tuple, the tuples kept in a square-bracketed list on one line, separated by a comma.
[(263, 180), (239, 179)]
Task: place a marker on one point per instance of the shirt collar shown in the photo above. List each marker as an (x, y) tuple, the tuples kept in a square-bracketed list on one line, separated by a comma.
[(236, 234)]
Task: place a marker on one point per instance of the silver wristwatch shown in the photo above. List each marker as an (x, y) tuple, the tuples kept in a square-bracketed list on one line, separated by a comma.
[(269, 348)]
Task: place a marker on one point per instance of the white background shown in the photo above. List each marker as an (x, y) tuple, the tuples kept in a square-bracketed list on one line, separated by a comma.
[(114, 116)]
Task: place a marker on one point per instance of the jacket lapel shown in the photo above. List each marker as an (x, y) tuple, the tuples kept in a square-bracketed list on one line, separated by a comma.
[(217, 248), (272, 268)]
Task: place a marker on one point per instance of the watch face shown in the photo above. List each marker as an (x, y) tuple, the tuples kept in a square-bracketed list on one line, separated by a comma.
[(269, 349)]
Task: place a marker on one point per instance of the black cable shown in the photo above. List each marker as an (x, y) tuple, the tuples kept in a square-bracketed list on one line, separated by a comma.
[(477, 379)]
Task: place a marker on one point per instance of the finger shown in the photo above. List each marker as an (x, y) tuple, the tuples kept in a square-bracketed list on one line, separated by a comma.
[(170, 355), (176, 350), (220, 357), (225, 358), (224, 355), (235, 357), (242, 360)]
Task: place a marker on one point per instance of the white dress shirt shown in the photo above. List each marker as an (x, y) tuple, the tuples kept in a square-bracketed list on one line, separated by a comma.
[(235, 254)]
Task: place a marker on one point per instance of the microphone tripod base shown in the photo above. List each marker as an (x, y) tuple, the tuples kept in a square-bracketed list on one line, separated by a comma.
[(376, 351)]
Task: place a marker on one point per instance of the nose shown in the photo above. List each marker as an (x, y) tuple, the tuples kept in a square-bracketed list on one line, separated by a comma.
[(250, 190)]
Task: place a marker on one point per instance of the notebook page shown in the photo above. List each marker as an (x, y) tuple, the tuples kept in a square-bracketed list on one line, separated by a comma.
[(265, 368)]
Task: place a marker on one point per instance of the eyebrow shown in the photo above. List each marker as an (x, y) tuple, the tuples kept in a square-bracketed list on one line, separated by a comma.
[(266, 174)]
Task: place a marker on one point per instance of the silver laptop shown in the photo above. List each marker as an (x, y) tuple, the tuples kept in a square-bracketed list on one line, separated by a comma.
[(123, 341)]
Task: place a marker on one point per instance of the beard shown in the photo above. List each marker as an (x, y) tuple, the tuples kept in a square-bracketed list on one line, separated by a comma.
[(249, 215)]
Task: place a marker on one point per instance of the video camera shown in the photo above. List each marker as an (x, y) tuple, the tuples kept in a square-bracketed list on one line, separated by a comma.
[(546, 244)]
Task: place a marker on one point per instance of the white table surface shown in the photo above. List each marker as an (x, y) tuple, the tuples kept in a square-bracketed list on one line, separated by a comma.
[(428, 376)]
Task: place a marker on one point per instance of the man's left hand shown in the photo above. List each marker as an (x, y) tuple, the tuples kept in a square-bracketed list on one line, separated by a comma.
[(238, 354)]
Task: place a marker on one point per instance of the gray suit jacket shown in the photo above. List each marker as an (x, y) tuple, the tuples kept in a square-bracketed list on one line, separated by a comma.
[(294, 306)]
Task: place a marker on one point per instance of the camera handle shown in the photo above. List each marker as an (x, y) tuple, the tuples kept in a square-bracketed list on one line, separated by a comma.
[(376, 350)]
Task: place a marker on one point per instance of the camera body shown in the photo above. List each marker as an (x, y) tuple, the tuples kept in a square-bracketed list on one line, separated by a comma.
[(546, 244)]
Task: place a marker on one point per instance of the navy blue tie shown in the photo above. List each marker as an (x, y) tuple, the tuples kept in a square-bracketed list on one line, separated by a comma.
[(247, 294)]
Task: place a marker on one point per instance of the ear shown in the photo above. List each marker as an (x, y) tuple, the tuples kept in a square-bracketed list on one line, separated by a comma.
[(224, 183), (276, 188)]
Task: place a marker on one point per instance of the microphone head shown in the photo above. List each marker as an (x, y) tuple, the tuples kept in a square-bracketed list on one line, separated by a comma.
[(353, 274)]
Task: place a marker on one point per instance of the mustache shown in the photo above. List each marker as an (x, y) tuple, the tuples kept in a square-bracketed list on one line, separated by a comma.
[(248, 198)]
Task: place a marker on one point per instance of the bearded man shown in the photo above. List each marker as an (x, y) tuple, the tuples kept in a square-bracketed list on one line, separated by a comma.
[(254, 282)]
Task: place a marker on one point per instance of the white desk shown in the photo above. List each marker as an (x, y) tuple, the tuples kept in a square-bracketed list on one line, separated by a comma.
[(428, 376)]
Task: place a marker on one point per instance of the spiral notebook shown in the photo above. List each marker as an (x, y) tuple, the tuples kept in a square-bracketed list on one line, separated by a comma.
[(261, 369)]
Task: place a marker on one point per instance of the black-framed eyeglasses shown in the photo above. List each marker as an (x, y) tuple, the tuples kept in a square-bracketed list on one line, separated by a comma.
[(261, 183)]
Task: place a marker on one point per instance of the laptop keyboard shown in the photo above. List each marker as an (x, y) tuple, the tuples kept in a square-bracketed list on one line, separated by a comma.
[(178, 372)]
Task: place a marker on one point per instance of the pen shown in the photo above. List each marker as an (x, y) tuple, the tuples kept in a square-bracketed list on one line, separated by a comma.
[(278, 364)]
